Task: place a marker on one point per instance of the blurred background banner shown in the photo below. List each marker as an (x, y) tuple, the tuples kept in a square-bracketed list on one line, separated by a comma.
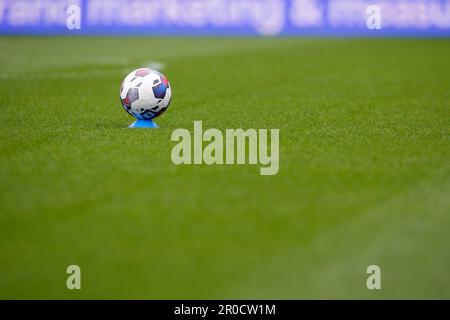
[(227, 17)]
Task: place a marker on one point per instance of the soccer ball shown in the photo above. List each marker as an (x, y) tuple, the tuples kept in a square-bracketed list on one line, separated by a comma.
[(145, 93)]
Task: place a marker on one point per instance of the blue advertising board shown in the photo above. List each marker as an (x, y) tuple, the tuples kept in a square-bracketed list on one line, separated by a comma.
[(227, 17)]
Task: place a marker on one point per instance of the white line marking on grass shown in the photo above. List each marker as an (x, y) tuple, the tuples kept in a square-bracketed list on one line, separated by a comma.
[(120, 61), (56, 74), (155, 65)]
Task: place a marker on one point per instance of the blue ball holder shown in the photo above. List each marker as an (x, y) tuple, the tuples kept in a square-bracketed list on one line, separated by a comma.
[(143, 124)]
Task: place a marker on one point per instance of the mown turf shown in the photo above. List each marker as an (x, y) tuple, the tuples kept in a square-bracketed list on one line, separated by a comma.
[(364, 170)]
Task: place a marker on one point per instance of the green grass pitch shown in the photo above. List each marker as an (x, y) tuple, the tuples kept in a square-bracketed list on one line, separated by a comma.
[(364, 170)]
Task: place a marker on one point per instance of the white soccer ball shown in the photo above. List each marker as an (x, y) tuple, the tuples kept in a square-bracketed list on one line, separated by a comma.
[(145, 93)]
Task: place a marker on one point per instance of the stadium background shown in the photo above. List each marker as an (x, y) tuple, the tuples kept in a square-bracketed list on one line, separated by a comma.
[(222, 17), (364, 172)]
